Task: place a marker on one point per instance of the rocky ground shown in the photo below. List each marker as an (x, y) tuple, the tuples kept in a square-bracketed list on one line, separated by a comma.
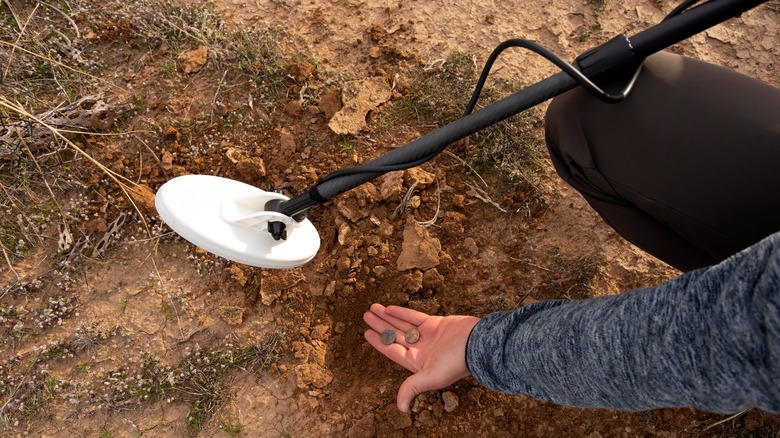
[(111, 325)]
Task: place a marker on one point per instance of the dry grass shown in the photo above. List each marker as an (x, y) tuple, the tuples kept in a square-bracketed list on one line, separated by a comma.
[(514, 149), (53, 180)]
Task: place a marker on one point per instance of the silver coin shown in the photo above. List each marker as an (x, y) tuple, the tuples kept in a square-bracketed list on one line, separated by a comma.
[(387, 337), (412, 336)]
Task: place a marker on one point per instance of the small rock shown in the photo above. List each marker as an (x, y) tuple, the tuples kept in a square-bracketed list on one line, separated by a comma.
[(194, 60), (363, 428), (330, 288), (471, 245), (397, 419), (359, 98), (432, 279), (343, 263), (268, 298), (378, 33), (166, 160), (313, 374), (425, 419), (458, 200), (301, 70), (418, 176), (232, 315), (330, 103), (293, 107), (450, 401), (143, 196), (320, 332), (419, 249), (171, 133), (391, 186), (237, 274), (412, 282), (343, 230), (287, 142)]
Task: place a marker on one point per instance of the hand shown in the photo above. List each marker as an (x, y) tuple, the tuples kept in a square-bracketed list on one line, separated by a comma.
[(437, 360)]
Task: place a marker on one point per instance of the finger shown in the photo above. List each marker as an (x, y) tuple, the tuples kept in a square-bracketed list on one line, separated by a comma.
[(412, 386), (394, 352), (380, 325), (396, 322), (377, 323), (404, 313)]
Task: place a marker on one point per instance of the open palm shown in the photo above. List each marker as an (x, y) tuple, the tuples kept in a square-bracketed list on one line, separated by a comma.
[(437, 360)]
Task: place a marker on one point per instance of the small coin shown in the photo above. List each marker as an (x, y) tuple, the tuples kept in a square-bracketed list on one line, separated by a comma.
[(387, 337), (412, 336)]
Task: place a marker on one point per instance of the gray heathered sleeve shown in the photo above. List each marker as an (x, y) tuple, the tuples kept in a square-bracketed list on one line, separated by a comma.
[(709, 339)]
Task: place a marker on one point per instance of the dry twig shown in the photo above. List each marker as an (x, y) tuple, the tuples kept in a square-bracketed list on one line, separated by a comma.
[(481, 195), (18, 38), (70, 20)]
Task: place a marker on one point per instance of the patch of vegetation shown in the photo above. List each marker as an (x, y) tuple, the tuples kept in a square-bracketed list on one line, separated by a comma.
[(42, 70), (514, 148), (585, 33), (201, 380), (571, 277), (230, 428)]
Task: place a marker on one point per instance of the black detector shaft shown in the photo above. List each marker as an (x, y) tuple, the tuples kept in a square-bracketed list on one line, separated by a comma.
[(615, 57)]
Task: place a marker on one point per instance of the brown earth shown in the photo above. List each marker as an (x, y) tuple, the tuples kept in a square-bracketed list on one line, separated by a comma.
[(90, 340)]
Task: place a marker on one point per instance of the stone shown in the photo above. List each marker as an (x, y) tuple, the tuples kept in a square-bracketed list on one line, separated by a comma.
[(418, 176), (397, 419), (432, 279), (143, 197), (301, 70), (193, 61), (287, 142), (330, 288), (320, 332), (166, 160), (313, 374), (330, 103), (363, 428), (358, 99), (450, 401), (391, 186), (232, 315), (419, 249)]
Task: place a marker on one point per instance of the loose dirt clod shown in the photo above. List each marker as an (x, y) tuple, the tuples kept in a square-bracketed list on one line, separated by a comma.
[(358, 98)]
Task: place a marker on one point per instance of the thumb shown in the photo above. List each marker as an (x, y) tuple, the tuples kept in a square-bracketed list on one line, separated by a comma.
[(412, 386)]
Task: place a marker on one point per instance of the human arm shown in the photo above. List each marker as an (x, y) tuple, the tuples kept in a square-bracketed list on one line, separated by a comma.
[(709, 339), (436, 360)]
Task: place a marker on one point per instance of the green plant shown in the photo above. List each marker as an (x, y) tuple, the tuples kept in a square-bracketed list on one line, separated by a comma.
[(514, 148), (168, 311), (345, 145), (571, 277), (231, 429)]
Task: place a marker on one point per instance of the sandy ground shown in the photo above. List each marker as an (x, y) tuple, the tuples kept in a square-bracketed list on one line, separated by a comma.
[(166, 300)]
